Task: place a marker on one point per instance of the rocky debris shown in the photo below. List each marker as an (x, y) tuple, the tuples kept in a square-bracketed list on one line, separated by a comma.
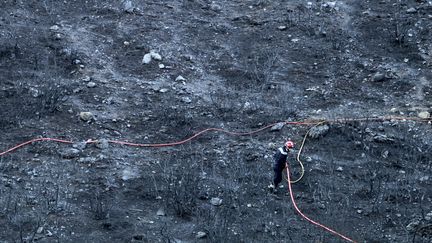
[(201, 234), (161, 66), (91, 84), (86, 116), (127, 6), (382, 138), (146, 59), (180, 79), (319, 131), (339, 169), (86, 79), (282, 27), (69, 153), (186, 100), (413, 225), (278, 126), (55, 28), (215, 7), (102, 144), (378, 77), (161, 212), (152, 55), (428, 216), (411, 10), (424, 115), (216, 201)]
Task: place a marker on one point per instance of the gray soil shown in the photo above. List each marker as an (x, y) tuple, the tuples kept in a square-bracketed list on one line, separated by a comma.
[(244, 64)]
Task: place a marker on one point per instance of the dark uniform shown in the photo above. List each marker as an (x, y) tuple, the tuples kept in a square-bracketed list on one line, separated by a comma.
[(279, 165)]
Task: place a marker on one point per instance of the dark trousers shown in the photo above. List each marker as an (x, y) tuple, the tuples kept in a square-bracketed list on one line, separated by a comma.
[(277, 175)]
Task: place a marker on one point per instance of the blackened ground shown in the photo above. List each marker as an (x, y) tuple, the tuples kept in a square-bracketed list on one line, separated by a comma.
[(246, 64)]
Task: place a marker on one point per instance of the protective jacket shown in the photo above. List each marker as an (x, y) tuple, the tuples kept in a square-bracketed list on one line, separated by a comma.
[(279, 164)]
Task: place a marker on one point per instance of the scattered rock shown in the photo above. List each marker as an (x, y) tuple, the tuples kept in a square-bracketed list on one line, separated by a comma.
[(319, 131), (428, 216), (215, 7), (282, 27), (39, 230), (91, 84), (86, 116), (411, 10), (69, 153), (382, 138), (127, 6), (186, 100), (424, 115), (339, 169), (161, 212), (161, 66), (180, 79), (86, 79), (102, 144), (413, 225), (216, 201), (378, 77), (201, 234), (278, 126), (146, 59), (155, 56), (54, 28)]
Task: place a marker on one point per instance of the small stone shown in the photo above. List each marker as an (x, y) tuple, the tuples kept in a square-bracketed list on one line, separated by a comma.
[(339, 168), (249, 205), (424, 178), (39, 230), (215, 7), (86, 79), (295, 40), (91, 84), (282, 27), (54, 27), (180, 79), (86, 116), (186, 100), (127, 6), (161, 212), (216, 201), (277, 126), (201, 234), (161, 66), (359, 211), (411, 10), (377, 77), (70, 153), (126, 43), (102, 144), (146, 59), (163, 90), (424, 115), (428, 216), (155, 56), (319, 131), (412, 226)]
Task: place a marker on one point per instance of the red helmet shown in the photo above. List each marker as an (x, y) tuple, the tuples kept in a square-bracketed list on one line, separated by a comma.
[(289, 144)]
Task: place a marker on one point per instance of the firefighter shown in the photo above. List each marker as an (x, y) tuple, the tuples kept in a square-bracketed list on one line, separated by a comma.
[(279, 164)]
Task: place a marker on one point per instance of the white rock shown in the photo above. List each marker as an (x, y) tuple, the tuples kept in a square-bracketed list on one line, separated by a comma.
[(340, 169), (411, 10), (424, 115), (161, 212), (91, 84), (127, 6), (146, 59), (155, 55), (216, 201), (161, 66), (86, 116), (54, 27), (282, 27), (180, 79), (129, 173), (201, 235)]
